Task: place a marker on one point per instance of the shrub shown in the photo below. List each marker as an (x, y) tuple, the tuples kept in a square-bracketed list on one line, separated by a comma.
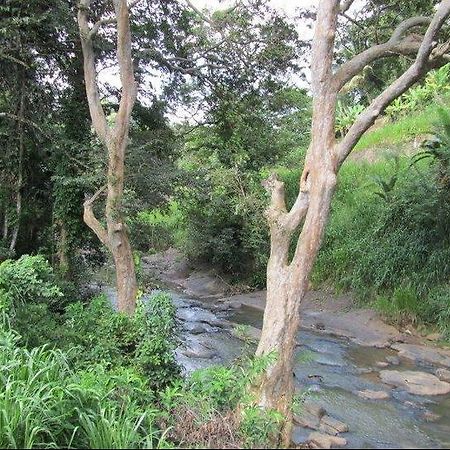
[(30, 279), (157, 229), (146, 340)]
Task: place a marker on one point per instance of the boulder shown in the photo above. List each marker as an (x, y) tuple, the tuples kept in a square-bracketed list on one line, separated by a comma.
[(382, 364), (332, 426), (394, 360), (319, 440), (419, 383), (443, 374), (373, 395)]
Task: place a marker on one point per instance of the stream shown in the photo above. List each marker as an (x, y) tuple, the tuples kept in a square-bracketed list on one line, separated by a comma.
[(329, 370)]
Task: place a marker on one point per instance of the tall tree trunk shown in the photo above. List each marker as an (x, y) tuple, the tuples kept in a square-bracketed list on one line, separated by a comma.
[(287, 281), (18, 193), (115, 236)]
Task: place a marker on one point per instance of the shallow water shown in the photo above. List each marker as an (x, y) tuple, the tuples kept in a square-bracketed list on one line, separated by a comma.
[(332, 370)]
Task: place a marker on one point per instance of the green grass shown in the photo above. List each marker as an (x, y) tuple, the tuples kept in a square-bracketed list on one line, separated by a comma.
[(402, 131)]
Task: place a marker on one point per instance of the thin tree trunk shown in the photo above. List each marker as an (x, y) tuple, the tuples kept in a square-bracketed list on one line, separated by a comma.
[(19, 183)]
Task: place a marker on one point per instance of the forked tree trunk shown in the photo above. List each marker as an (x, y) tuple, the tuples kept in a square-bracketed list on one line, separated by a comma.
[(287, 281), (114, 236)]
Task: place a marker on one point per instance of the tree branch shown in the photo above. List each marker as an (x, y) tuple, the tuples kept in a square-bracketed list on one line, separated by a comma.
[(92, 222), (345, 6), (90, 74), (277, 213), (126, 69), (424, 59), (396, 45)]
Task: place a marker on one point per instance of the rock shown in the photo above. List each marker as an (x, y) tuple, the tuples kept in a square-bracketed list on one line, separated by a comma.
[(310, 415), (306, 420), (364, 370), (319, 440), (443, 374), (430, 416), (330, 425), (197, 329), (201, 354), (433, 337), (314, 409), (382, 364), (424, 353), (419, 383), (394, 360), (373, 395)]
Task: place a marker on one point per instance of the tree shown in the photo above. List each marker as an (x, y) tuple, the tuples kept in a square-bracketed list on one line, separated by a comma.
[(115, 139), (287, 281)]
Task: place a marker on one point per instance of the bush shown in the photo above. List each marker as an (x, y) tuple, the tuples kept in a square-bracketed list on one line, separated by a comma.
[(389, 240), (145, 341), (157, 229), (30, 279)]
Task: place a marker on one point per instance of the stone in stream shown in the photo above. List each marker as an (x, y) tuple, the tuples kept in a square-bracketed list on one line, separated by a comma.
[(394, 360), (433, 355), (310, 415), (319, 440), (419, 383), (199, 353), (373, 395), (382, 364), (332, 426), (443, 374), (430, 416)]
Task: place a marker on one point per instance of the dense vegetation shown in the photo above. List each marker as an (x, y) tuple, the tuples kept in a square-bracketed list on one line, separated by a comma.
[(76, 373)]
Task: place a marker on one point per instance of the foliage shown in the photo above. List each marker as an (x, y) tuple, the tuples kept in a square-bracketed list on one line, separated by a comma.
[(158, 229), (219, 397), (44, 404), (396, 248), (345, 116), (29, 279), (435, 86), (145, 341)]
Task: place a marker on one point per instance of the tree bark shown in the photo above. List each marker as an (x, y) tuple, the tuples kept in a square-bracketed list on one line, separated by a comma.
[(115, 236), (287, 281), (18, 193)]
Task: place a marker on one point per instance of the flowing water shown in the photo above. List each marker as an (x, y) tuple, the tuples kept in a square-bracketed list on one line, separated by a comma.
[(331, 369)]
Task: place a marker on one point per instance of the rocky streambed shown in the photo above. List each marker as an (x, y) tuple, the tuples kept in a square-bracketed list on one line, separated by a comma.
[(355, 396), (364, 383)]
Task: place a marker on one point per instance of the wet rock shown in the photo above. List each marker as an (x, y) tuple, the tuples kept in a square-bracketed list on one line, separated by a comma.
[(332, 426), (306, 420), (424, 353), (364, 370), (197, 329), (430, 416), (314, 409), (310, 415), (382, 364), (319, 440), (199, 353), (394, 360), (419, 383), (373, 395), (443, 374)]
